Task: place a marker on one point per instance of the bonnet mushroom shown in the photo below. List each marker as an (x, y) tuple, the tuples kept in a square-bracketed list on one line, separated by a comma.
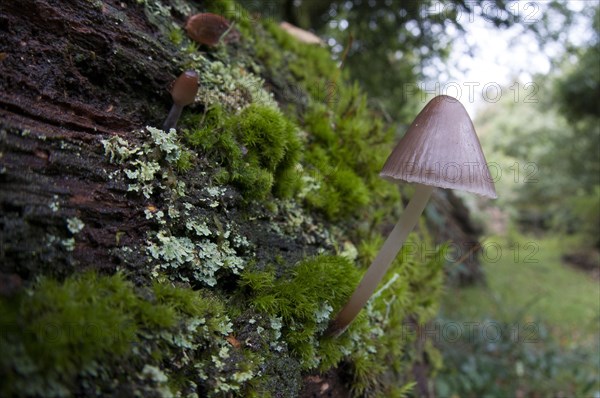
[(183, 93), (440, 149), (209, 29)]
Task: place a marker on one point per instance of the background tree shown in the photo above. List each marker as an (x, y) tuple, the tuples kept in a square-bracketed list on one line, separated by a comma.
[(548, 144), (388, 44)]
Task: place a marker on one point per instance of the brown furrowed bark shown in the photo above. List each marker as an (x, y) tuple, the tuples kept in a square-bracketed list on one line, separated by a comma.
[(72, 73)]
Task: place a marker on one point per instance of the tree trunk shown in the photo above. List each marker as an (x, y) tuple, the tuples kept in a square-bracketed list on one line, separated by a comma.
[(72, 73)]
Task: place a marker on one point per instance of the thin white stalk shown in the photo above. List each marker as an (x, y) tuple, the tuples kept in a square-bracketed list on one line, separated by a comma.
[(382, 262), (173, 117)]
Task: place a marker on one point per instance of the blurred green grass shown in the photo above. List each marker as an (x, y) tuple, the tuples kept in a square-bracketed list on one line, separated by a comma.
[(526, 282)]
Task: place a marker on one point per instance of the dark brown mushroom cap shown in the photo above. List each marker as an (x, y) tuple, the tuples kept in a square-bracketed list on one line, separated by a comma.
[(441, 149), (206, 28), (185, 88)]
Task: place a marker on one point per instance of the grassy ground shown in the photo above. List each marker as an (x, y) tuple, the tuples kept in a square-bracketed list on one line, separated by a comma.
[(527, 280), (549, 314)]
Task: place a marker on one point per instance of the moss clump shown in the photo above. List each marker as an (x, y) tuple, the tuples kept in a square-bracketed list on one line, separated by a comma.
[(95, 330), (304, 300), (346, 143), (184, 163), (102, 333), (50, 335), (256, 146)]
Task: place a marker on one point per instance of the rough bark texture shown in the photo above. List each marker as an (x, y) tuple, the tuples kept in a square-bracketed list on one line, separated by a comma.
[(72, 71)]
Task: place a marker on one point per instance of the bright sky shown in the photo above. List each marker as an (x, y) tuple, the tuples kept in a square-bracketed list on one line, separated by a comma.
[(500, 58)]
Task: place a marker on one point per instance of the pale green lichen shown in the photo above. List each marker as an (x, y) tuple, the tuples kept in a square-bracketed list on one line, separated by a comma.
[(173, 250), (199, 256), (141, 166), (231, 86), (167, 142), (144, 174), (68, 244), (157, 215), (173, 212), (154, 373), (75, 225), (199, 227), (202, 259), (118, 149), (55, 204)]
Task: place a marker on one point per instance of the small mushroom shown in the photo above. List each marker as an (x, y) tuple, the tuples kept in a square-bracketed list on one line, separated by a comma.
[(208, 29), (440, 149), (183, 93), (301, 35)]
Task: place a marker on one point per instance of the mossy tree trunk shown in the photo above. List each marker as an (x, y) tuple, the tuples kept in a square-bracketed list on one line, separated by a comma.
[(72, 72)]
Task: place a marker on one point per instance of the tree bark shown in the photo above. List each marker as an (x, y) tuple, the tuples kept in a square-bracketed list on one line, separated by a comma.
[(72, 73)]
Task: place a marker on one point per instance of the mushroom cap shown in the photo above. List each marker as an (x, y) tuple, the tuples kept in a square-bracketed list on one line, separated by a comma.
[(185, 88), (207, 28), (300, 34), (441, 149)]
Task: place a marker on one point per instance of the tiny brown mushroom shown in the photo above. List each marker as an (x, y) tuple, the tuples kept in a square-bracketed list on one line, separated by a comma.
[(300, 34), (209, 29), (440, 149), (183, 93)]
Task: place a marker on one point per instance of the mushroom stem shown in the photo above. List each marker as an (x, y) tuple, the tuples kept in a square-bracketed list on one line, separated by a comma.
[(173, 117), (382, 262)]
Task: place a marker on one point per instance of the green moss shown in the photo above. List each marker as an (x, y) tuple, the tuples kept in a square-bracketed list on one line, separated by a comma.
[(50, 335), (265, 133), (346, 149), (255, 146), (184, 163), (346, 143), (310, 64), (304, 301), (176, 35), (89, 327)]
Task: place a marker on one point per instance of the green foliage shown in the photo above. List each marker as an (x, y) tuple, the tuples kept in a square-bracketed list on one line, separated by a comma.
[(536, 333), (541, 191), (578, 87), (255, 146), (546, 288), (495, 359), (49, 336), (586, 210), (184, 163), (547, 149), (345, 151), (387, 46), (101, 329), (304, 301)]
